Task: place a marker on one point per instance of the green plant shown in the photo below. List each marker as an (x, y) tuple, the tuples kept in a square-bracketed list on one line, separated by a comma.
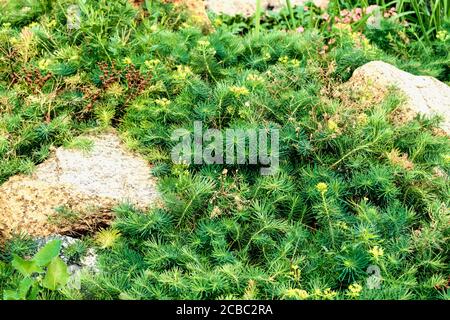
[(429, 16), (45, 271)]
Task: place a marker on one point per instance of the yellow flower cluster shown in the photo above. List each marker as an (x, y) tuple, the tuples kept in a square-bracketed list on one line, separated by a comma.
[(332, 125), (152, 63), (106, 238), (376, 252), (162, 102), (361, 119), (253, 77), (182, 72), (326, 294), (295, 63), (127, 61), (442, 35), (239, 91), (43, 64), (354, 290), (203, 43), (283, 59), (296, 294), (343, 27), (115, 90), (51, 24), (447, 158), (322, 187)]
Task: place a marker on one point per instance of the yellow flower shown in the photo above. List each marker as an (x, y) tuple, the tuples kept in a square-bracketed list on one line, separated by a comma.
[(442, 35), (332, 125), (115, 90), (322, 187), (152, 63), (376, 252), (255, 78), (329, 294), (295, 63), (354, 290), (447, 158), (267, 56), (203, 43), (182, 72), (343, 26), (43, 64), (317, 292), (239, 91), (106, 238), (73, 80), (162, 102), (361, 119), (283, 59), (296, 294), (127, 60), (51, 24)]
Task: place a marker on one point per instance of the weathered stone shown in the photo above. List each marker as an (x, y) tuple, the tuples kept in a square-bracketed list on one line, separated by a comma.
[(424, 94), (82, 186)]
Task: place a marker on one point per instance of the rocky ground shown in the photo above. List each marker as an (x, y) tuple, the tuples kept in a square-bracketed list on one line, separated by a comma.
[(79, 185)]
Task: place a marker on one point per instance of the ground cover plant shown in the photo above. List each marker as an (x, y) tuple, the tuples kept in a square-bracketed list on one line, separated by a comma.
[(356, 189)]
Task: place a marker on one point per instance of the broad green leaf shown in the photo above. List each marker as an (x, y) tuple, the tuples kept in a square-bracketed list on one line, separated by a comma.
[(10, 295), (47, 253), (25, 267), (57, 274), (24, 287), (35, 289)]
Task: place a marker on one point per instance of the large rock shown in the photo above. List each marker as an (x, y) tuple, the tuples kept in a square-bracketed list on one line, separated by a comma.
[(74, 190), (425, 95)]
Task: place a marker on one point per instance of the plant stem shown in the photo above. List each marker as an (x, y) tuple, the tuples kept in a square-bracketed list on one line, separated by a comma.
[(291, 13), (258, 16), (328, 218)]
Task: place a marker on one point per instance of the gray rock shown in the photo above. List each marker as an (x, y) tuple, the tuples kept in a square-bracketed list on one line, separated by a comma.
[(424, 94), (87, 183)]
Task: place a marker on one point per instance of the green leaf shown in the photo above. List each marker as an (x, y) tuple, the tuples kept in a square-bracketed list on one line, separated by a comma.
[(24, 287), (57, 274), (10, 295), (35, 289), (47, 253), (25, 267)]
